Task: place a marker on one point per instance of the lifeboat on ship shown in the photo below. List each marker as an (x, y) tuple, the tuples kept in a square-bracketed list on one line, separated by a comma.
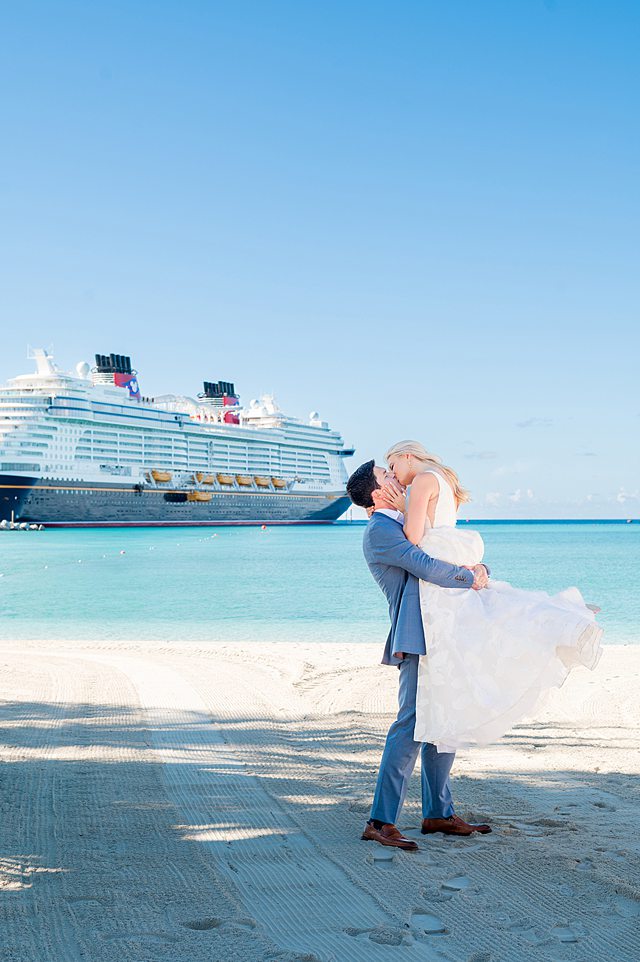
[(203, 478), (225, 479), (262, 482), (244, 480), (279, 483), (161, 475), (199, 496)]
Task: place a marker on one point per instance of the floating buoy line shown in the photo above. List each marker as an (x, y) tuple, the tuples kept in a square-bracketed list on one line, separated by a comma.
[(118, 552)]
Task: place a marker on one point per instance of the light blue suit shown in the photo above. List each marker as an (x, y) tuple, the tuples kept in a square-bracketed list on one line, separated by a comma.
[(397, 565)]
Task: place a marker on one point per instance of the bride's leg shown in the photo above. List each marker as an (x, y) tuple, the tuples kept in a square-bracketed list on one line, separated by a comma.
[(400, 750), (436, 791)]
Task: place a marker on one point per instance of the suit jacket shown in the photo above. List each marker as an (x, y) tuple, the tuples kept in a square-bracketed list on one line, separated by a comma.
[(397, 565)]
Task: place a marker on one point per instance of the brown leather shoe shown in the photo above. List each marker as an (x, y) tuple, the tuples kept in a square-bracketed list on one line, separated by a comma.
[(453, 825), (389, 835)]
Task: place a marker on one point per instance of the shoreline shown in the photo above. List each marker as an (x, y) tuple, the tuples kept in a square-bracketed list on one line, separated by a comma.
[(515, 521), (193, 801)]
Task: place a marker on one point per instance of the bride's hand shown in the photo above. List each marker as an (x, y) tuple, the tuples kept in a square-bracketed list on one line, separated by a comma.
[(480, 576), (394, 493)]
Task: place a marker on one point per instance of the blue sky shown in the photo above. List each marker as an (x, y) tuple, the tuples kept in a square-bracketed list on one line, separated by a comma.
[(419, 218)]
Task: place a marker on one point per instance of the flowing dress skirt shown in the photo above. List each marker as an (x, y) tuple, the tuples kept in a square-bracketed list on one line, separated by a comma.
[(492, 654)]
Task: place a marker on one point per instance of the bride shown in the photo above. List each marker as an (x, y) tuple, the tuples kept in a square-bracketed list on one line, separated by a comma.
[(492, 653)]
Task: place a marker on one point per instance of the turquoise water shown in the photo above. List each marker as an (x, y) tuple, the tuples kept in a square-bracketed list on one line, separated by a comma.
[(282, 584)]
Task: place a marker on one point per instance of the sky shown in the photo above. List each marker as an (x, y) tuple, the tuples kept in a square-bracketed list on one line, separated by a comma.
[(418, 218)]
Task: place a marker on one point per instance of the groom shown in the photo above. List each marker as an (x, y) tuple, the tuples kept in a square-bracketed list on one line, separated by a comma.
[(397, 565)]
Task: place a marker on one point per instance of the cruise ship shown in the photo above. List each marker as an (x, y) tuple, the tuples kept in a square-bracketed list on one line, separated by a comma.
[(88, 449)]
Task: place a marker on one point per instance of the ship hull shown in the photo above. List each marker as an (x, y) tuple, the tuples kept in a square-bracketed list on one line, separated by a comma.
[(59, 503)]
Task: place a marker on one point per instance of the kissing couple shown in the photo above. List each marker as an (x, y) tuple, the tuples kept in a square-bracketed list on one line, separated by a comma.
[(475, 655)]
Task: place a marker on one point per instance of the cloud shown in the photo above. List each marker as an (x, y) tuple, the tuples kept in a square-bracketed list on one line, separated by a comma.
[(519, 495), (535, 423), (493, 497), (586, 454), (623, 496), (482, 455)]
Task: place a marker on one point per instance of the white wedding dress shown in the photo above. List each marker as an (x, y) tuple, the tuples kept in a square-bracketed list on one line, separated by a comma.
[(492, 653)]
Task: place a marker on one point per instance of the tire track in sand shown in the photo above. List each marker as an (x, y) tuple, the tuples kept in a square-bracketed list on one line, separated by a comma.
[(282, 877), (33, 731)]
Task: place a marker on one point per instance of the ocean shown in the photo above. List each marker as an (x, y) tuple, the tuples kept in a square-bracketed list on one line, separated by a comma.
[(307, 584)]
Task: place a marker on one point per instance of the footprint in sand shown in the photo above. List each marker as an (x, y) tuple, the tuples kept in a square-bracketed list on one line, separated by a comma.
[(203, 925), (382, 935), (537, 935), (526, 828), (207, 924), (525, 929), (584, 865), (566, 891), (436, 895), (384, 857), (568, 933), (459, 846), (626, 907), (552, 823), (424, 923), (457, 884), (620, 856)]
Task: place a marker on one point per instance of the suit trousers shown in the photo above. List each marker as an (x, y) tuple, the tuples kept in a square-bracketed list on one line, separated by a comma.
[(400, 755)]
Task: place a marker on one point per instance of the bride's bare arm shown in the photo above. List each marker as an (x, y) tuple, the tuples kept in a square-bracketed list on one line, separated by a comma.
[(424, 495)]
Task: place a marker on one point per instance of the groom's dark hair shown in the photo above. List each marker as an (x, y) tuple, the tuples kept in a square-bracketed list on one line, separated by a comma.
[(362, 484)]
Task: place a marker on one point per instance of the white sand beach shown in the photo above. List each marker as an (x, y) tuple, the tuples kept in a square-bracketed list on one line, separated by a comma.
[(185, 803)]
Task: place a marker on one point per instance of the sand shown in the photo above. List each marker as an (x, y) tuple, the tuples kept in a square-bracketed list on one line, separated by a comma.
[(190, 803)]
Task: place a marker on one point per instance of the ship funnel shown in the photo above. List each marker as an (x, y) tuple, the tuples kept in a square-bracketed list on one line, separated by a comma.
[(222, 396), (116, 369)]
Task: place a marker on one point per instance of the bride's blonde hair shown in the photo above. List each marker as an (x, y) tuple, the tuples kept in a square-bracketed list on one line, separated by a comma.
[(431, 462)]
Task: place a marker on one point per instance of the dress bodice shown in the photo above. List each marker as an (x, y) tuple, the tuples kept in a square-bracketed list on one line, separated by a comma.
[(444, 540), (446, 510)]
